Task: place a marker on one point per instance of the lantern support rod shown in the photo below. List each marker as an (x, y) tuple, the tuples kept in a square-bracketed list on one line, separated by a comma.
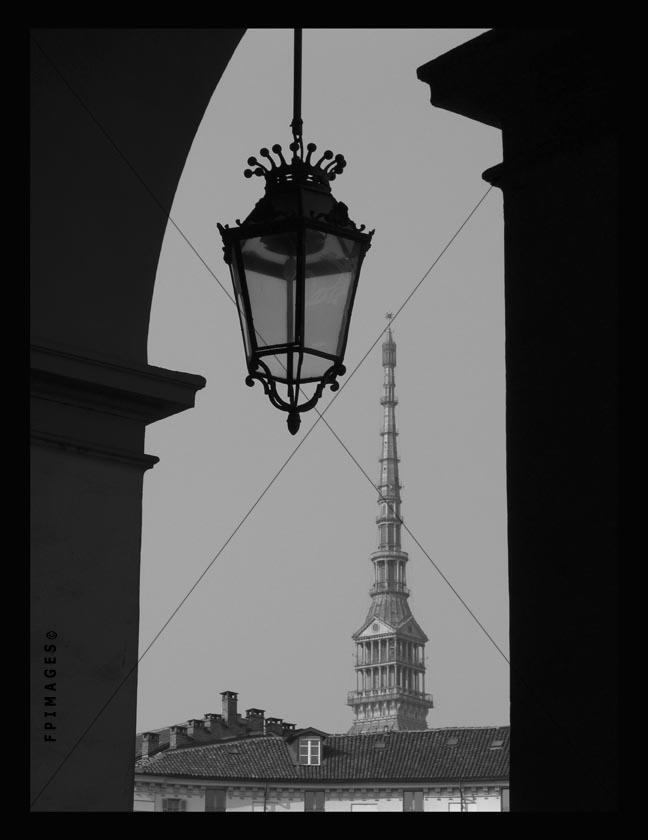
[(296, 123)]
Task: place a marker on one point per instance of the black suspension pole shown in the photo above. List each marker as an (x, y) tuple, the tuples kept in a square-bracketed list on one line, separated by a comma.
[(296, 123)]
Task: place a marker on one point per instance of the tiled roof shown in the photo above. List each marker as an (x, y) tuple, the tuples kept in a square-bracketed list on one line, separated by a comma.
[(163, 743), (225, 733), (428, 755)]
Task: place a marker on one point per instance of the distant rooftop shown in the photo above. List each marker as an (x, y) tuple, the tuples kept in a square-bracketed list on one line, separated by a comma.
[(445, 755)]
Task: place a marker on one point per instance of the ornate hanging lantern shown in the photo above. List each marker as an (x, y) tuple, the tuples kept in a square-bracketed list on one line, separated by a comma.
[(295, 263)]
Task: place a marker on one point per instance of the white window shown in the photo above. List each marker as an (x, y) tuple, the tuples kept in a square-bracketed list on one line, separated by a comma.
[(174, 805), (309, 751)]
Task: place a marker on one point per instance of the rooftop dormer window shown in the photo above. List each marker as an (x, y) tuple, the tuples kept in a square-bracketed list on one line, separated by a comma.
[(310, 750)]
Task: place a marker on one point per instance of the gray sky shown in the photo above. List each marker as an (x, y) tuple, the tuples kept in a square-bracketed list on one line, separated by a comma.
[(273, 617)]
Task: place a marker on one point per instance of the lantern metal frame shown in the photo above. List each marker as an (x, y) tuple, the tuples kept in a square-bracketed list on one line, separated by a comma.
[(292, 190)]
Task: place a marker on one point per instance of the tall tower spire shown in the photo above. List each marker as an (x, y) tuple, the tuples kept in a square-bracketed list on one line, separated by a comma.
[(390, 645)]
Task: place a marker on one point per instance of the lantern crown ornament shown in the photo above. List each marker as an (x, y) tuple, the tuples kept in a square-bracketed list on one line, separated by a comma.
[(299, 168), (295, 263)]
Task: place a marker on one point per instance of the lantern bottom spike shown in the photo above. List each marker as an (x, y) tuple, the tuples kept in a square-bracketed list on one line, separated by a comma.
[(294, 422)]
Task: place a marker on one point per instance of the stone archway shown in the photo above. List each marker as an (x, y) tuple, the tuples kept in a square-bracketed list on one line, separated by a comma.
[(113, 116)]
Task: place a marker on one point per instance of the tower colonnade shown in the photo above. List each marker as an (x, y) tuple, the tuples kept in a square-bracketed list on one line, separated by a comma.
[(389, 650)]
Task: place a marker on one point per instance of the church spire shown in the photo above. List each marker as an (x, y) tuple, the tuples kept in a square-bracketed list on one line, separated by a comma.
[(389, 502), (390, 645)]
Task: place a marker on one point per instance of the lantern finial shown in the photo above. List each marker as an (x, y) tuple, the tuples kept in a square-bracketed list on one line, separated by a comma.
[(294, 422)]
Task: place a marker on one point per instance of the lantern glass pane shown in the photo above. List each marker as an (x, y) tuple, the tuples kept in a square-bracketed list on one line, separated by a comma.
[(314, 367), (277, 365), (285, 365), (241, 309), (269, 263), (330, 277)]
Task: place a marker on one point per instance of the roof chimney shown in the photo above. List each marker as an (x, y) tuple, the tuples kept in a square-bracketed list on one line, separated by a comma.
[(150, 743), (230, 702), (196, 729), (254, 720), (274, 726), (178, 737), (287, 728), (214, 724)]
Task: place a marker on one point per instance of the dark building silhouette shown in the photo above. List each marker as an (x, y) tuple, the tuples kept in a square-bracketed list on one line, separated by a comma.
[(113, 116), (551, 92)]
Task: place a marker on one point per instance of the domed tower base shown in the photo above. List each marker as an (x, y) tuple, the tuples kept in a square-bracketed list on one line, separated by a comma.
[(391, 715)]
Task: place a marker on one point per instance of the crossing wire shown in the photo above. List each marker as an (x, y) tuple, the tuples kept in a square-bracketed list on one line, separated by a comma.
[(522, 682), (320, 417), (159, 204), (249, 512)]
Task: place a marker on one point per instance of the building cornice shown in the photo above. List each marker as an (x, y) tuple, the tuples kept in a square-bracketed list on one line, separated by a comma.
[(297, 784), (99, 408), (141, 392)]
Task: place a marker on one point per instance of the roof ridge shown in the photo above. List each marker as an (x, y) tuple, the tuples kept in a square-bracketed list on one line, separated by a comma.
[(258, 735), (228, 742), (422, 731), (162, 729)]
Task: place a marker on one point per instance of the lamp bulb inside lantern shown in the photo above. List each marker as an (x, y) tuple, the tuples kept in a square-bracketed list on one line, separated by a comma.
[(285, 245)]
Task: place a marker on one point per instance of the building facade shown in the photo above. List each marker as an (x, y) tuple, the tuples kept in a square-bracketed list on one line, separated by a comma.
[(390, 645), (442, 770)]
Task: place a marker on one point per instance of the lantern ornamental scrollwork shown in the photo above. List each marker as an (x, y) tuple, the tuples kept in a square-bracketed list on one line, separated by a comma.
[(295, 263)]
